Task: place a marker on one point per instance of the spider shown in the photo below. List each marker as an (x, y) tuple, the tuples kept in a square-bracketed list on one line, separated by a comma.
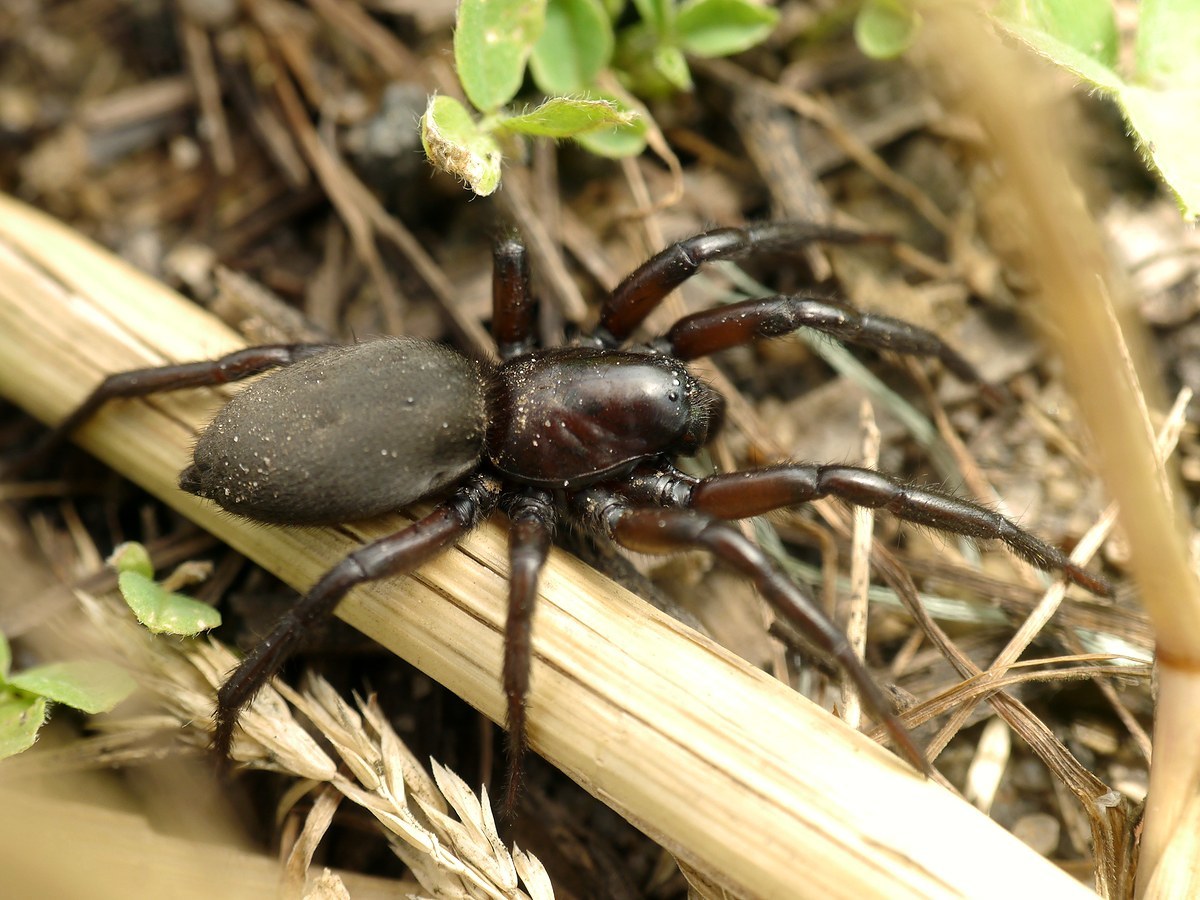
[(586, 433)]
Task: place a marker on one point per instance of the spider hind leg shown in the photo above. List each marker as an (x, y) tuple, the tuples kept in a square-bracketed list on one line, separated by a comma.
[(666, 530), (395, 554)]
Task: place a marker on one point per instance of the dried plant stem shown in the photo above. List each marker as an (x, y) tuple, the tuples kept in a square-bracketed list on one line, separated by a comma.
[(856, 606), (52, 847), (733, 772), (1084, 304)]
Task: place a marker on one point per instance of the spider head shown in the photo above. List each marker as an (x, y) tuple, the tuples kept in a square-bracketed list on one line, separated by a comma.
[(706, 413)]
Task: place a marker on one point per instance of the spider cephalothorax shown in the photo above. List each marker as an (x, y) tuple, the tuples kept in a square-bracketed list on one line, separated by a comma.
[(587, 433)]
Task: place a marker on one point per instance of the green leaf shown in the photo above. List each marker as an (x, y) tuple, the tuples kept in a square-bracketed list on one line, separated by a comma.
[(622, 141), (722, 27), (93, 686), (562, 117), (492, 43), (162, 611), (1163, 118), (1168, 45), (132, 557), (614, 143), (1088, 27), (883, 29), (575, 46), (5, 657), (1169, 130), (658, 14), (669, 62), (1068, 57), (21, 716), (455, 143)]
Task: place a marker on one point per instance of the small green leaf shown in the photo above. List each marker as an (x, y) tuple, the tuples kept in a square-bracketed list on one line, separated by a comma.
[(722, 27), (132, 557), (455, 143), (492, 43), (575, 46), (1168, 45), (21, 716), (162, 611), (93, 686), (1163, 118), (615, 143), (1068, 57), (669, 62), (620, 142), (563, 117), (5, 657), (1169, 129), (884, 29), (658, 14), (1086, 26)]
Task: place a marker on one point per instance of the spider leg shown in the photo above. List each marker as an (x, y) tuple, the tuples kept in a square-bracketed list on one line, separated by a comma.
[(659, 530), (395, 554), (533, 523), (514, 312), (644, 288), (740, 323), (234, 366), (737, 495)]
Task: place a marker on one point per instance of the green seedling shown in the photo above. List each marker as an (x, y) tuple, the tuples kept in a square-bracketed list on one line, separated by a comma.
[(570, 48), (156, 605), (93, 686), (96, 686), (651, 55)]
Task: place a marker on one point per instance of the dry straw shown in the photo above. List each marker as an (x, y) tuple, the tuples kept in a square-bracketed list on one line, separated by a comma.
[(1088, 315), (437, 825)]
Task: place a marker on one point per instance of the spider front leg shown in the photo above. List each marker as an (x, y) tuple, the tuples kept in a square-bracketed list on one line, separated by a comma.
[(236, 366), (395, 554), (533, 523), (717, 329), (738, 495), (656, 530), (645, 287)]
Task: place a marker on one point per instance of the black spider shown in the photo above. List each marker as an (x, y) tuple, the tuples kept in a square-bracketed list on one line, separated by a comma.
[(586, 432)]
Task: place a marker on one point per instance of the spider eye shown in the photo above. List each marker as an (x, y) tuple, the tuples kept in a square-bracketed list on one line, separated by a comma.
[(706, 412)]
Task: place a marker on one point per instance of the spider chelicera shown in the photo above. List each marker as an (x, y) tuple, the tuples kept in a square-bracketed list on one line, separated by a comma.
[(586, 433)]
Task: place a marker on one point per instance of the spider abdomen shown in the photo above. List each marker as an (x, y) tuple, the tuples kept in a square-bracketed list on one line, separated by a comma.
[(348, 434), (567, 417)]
